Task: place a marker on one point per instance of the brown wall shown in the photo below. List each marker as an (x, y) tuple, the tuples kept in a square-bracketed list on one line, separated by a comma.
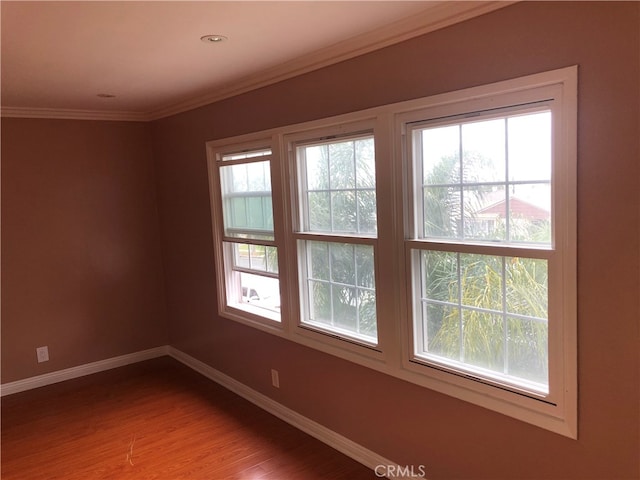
[(404, 422), (81, 262)]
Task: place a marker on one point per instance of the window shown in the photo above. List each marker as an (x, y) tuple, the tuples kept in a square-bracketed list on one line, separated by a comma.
[(433, 240), (490, 246), (336, 233), (246, 246), (484, 183)]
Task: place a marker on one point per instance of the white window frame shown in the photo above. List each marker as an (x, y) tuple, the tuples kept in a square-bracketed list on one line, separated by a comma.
[(223, 245), (393, 353), (301, 233), (555, 410)]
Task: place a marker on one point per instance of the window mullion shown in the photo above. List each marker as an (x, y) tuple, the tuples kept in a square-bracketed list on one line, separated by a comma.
[(460, 311), (505, 322), (514, 250), (507, 193), (461, 182)]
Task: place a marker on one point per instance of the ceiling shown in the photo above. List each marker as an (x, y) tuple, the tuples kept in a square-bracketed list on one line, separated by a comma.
[(58, 57)]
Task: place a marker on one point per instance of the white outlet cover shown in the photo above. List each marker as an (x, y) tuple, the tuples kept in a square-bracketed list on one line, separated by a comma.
[(43, 354)]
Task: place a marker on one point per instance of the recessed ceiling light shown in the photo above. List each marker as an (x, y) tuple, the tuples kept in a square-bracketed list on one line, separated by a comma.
[(213, 38), (105, 95)]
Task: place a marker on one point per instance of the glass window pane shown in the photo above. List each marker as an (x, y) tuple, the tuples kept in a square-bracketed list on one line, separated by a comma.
[(345, 313), (530, 213), (367, 214), (365, 164), (496, 208), (342, 173), (440, 276), (238, 212), (246, 196), (238, 178), (340, 186), (483, 339), (343, 208), (442, 212), (342, 263), (367, 324), (318, 266), (319, 206), (256, 211), (320, 302), (530, 147), (442, 330), (365, 276), (341, 293), (317, 167), (483, 311), (257, 257), (527, 287), (260, 258), (241, 255), (528, 349), (483, 151), (481, 281), (272, 259), (267, 208), (260, 291), (485, 212), (441, 155)]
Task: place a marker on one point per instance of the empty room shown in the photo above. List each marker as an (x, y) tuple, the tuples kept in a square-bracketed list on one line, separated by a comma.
[(320, 239)]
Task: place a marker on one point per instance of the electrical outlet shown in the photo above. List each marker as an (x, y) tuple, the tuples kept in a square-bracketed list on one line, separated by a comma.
[(275, 378), (43, 354)]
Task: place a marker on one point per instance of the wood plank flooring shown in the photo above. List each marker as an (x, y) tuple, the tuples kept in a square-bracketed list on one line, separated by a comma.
[(156, 420)]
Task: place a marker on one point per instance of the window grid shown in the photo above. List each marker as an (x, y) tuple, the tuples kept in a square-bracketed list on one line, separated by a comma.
[(260, 259), (331, 190), (311, 279), (340, 169), (461, 306), (358, 198), (432, 180), (248, 243), (460, 185)]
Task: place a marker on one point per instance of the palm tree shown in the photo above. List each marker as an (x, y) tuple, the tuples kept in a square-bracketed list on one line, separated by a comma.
[(485, 311)]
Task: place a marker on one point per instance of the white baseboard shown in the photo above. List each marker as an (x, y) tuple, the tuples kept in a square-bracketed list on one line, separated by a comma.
[(380, 465), (81, 370)]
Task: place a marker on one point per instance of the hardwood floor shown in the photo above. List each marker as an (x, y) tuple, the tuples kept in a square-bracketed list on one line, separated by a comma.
[(156, 420)]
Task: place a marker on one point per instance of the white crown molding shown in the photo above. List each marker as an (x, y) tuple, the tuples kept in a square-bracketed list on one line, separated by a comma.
[(69, 114), (438, 15)]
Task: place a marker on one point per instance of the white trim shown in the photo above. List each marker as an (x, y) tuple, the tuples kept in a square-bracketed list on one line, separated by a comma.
[(70, 114), (440, 15), (81, 370), (559, 415), (348, 447), (342, 444), (394, 360)]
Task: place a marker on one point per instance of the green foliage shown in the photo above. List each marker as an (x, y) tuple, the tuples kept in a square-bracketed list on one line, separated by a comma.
[(342, 286), (473, 322), (341, 198)]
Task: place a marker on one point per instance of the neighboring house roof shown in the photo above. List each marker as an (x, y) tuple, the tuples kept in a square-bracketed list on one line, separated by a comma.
[(518, 207)]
